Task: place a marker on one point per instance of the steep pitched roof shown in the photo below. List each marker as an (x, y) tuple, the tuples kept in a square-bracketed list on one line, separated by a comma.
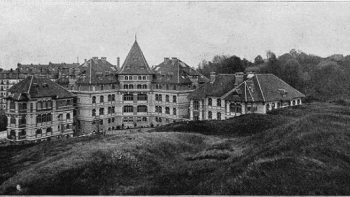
[(263, 88), (32, 87), (174, 71), (135, 62), (222, 84), (97, 71)]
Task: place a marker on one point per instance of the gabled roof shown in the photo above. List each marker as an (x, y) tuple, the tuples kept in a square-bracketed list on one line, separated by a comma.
[(32, 87), (97, 71), (135, 62), (263, 88), (222, 84), (175, 71)]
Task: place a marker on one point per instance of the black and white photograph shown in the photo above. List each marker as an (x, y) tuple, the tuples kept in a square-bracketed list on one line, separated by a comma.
[(174, 97)]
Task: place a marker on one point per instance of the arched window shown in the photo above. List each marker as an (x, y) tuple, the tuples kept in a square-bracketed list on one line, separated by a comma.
[(142, 97), (157, 86), (94, 99), (160, 98), (232, 107), (139, 86), (12, 105), (131, 86), (113, 97), (210, 115), (126, 86), (109, 110), (195, 105), (174, 99), (113, 111), (299, 101), (101, 99), (174, 111), (128, 108), (142, 108), (128, 97), (210, 101), (218, 102), (94, 112), (109, 97), (102, 110), (157, 97), (144, 86), (139, 78), (144, 78), (167, 98), (126, 78), (68, 116), (167, 110), (219, 116)]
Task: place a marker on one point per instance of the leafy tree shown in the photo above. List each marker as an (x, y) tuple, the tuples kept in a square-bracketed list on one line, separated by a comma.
[(258, 60)]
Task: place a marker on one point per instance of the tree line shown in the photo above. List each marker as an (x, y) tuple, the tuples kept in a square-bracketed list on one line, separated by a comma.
[(319, 78)]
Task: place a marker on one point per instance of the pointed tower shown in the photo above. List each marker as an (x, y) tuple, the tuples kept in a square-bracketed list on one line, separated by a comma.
[(135, 63)]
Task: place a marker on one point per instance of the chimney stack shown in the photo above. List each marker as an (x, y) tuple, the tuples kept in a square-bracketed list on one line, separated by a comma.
[(85, 61), (166, 59), (212, 77), (239, 78), (118, 62)]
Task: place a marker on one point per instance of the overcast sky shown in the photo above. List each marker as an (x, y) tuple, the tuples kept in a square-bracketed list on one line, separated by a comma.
[(192, 31)]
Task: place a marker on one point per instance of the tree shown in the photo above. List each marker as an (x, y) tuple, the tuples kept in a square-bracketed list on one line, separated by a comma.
[(258, 60)]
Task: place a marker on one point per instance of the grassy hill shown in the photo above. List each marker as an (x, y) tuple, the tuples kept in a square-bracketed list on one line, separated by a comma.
[(302, 150)]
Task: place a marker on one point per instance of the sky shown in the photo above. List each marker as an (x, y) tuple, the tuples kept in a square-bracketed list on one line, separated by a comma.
[(62, 31)]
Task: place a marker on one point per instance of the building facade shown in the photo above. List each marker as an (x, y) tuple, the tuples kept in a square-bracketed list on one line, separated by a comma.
[(38, 109), (8, 78), (227, 96)]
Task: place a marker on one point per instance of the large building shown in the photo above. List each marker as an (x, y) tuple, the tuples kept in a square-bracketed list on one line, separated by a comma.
[(8, 78), (135, 95), (230, 95), (37, 109)]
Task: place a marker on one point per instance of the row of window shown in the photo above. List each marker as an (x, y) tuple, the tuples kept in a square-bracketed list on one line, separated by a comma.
[(130, 97), (22, 120), (111, 110), (210, 102), (131, 119), (44, 118), (210, 115), (138, 86), (167, 110), (129, 108), (167, 98), (135, 78), (111, 97), (60, 116)]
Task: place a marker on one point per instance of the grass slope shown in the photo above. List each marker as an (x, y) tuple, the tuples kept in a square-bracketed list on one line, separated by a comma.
[(302, 150)]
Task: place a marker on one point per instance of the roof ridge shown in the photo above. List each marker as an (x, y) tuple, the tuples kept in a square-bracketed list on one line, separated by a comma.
[(30, 85)]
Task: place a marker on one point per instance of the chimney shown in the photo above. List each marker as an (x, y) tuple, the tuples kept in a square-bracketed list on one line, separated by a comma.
[(118, 62), (166, 59), (104, 59), (174, 58), (212, 77), (95, 58), (85, 61), (239, 78)]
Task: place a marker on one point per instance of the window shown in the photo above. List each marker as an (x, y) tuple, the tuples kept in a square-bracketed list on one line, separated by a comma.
[(219, 116), (126, 78), (160, 97), (94, 99), (174, 111), (43, 118), (128, 108), (48, 117), (144, 119), (102, 110), (113, 97), (142, 97), (144, 78), (38, 131), (157, 97), (13, 120), (167, 98), (158, 109), (174, 99), (128, 97), (126, 86), (210, 115), (167, 110), (109, 120), (38, 119), (31, 107), (174, 87), (68, 116), (144, 86), (68, 103), (131, 86), (160, 86), (113, 119), (38, 105), (139, 86), (157, 87), (94, 112), (218, 102), (210, 101), (237, 108), (101, 99), (196, 105), (139, 78), (109, 97), (12, 105), (142, 108)]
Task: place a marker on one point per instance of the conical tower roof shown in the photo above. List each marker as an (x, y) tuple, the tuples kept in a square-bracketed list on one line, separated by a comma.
[(135, 62)]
